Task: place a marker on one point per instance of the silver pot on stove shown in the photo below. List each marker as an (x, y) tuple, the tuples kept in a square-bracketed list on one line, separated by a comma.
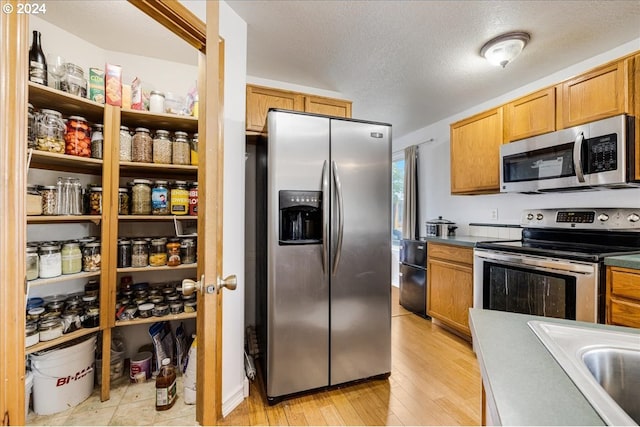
[(440, 227)]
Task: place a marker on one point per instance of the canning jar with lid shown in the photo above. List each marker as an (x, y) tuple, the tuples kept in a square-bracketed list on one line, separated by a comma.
[(50, 131), (194, 149), (31, 126), (124, 253), (31, 334), (125, 144), (173, 253), (141, 197), (156, 102), (73, 81), (49, 195), (50, 329), (97, 139), (78, 137), (157, 253), (162, 147), (123, 201), (193, 199), (71, 258), (91, 258), (160, 198), (50, 261), (33, 262), (179, 198), (95, 201), (188, 251), (71, 320), (139, 253), (142, 146), (91, 317), (34, 200), (181, 149)]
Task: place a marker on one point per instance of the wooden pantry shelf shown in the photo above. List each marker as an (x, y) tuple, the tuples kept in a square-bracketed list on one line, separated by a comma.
[(63, 339), (65, 162), (43, 97), (63, 278), (145, 170), (49, 219), (155, 121), (154, 319), (148, 268), (155, 217)]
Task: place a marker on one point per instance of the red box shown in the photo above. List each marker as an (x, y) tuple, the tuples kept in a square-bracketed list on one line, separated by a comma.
[(113, 85)]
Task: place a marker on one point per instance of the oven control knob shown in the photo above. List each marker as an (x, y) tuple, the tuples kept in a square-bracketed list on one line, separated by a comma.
[(539, 217), (603, 217), (530, 216), (633, 218)]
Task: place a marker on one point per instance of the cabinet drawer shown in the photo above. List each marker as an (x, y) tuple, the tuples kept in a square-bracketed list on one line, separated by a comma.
[(625, 284), (624, 313), (450, 253)]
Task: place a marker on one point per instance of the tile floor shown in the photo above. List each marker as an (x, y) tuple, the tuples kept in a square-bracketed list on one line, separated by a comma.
[(130, 404)]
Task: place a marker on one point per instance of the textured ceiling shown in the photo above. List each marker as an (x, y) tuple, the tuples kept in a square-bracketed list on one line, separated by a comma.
[(408, 63)]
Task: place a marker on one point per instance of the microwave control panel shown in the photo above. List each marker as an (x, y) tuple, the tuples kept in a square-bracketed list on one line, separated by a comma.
[(602, 153)]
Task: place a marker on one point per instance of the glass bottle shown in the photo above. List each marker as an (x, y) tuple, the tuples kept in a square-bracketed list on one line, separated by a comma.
[(166, 388), (37, 61), (181, 149)]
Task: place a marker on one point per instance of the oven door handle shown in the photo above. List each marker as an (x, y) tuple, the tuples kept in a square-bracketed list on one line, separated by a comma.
[(536, 262)]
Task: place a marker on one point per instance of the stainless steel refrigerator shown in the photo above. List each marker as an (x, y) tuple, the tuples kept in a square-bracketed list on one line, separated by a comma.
[(324, 233)]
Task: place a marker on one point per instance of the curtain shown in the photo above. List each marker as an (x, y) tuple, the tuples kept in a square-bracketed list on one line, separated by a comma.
[(410, 226)]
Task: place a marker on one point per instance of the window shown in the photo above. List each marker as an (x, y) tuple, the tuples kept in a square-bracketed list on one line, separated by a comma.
[(397, 197)]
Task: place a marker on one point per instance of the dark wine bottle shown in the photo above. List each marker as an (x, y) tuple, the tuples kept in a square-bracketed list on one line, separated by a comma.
[(37, 61)]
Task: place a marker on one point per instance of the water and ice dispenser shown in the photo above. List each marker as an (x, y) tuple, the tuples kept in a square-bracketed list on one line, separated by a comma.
[(300, 217)]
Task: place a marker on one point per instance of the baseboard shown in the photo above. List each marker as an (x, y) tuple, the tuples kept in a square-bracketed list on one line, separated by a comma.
[(233, 401)]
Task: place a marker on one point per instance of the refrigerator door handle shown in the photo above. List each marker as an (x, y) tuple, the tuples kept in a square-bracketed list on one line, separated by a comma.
[(325, 222), (340, 201)]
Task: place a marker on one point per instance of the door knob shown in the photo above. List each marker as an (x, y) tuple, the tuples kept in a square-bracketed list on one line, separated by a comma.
[(190, 286), (230, 282)]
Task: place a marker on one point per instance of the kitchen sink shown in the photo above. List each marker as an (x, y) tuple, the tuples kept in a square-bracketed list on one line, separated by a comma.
[(604, 364)]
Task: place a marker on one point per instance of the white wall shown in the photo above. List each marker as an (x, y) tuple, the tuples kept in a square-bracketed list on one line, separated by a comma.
[(434, 165)]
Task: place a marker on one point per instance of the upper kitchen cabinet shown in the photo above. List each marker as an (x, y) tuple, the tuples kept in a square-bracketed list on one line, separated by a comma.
[(327, 106), (260, 99), (475, 153), (530, 115), (603, 92)]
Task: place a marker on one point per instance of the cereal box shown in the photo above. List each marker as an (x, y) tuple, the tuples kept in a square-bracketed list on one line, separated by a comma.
[(96, 85), (113, 85), (126, 96), (136, 94)]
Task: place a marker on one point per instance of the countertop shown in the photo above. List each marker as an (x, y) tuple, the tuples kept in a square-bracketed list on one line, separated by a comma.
[(520, 375), (469, 241), (627, 261)]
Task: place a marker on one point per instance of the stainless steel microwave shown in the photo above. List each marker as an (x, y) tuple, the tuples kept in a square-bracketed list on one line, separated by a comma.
[(595, 155)]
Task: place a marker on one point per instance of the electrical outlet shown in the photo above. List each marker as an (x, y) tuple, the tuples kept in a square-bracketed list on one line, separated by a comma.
[(494, 214)]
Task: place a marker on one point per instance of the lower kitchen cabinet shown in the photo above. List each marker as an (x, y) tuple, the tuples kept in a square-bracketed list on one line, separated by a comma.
[(450, 285), (623, 297)]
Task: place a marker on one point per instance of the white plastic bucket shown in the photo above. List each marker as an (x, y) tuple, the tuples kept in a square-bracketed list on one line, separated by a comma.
[(28, 385), (62, 378)]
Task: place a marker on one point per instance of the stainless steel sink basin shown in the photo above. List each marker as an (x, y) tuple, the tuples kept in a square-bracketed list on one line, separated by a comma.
[(603, 364)]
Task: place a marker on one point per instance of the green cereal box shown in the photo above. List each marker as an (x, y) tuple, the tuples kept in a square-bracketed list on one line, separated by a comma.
[(96, 85)]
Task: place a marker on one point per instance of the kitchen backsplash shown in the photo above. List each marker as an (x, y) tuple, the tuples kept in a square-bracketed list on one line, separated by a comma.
[(502, 231)]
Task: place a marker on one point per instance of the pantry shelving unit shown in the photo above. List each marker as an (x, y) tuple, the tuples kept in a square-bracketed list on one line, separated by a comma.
[(45, 345), (63, 278), (154, 319), (51, 219), (154, 217)]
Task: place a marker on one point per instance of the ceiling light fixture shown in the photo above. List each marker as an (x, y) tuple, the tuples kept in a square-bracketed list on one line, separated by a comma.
[(503, 49)]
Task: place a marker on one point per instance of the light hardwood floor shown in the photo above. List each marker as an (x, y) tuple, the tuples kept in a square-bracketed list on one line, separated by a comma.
[(434, 380)]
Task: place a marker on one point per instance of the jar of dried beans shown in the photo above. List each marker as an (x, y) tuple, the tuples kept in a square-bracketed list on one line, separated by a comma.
[(141, 197), (125, 144), (97, 140), (181, 149), (142, 146)]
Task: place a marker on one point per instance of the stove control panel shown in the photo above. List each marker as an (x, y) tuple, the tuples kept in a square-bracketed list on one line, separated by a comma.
[(583, 218)]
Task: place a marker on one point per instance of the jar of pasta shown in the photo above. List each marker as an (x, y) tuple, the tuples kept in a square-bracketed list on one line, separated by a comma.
[(179, 198), (162, 147), (141, 197), (142, 146), (157, 253), (181, 149)]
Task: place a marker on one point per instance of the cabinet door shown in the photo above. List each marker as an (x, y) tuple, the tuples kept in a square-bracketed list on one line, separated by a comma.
[(260, 99), (531, 115), (450, 290), (475, 153), (623, 297), (327, 106), (601, 93)]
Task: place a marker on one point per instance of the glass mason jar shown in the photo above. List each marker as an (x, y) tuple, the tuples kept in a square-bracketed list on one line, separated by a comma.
[(78, 137), (50, 132), (139, 253), (173, 253), (181, 149), (49, 195), (194, 149), (50, 261), (91, 258), (179, 198), (125, 144), (193, 199), (33, 262), (95, 201), (71, 258), (97, 139), (31, 126), (156, 102), (123, 201), (162, 147), (188, 251), (142, 146), (160, 198), (124, 253), (141, 197), (157, 253)]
